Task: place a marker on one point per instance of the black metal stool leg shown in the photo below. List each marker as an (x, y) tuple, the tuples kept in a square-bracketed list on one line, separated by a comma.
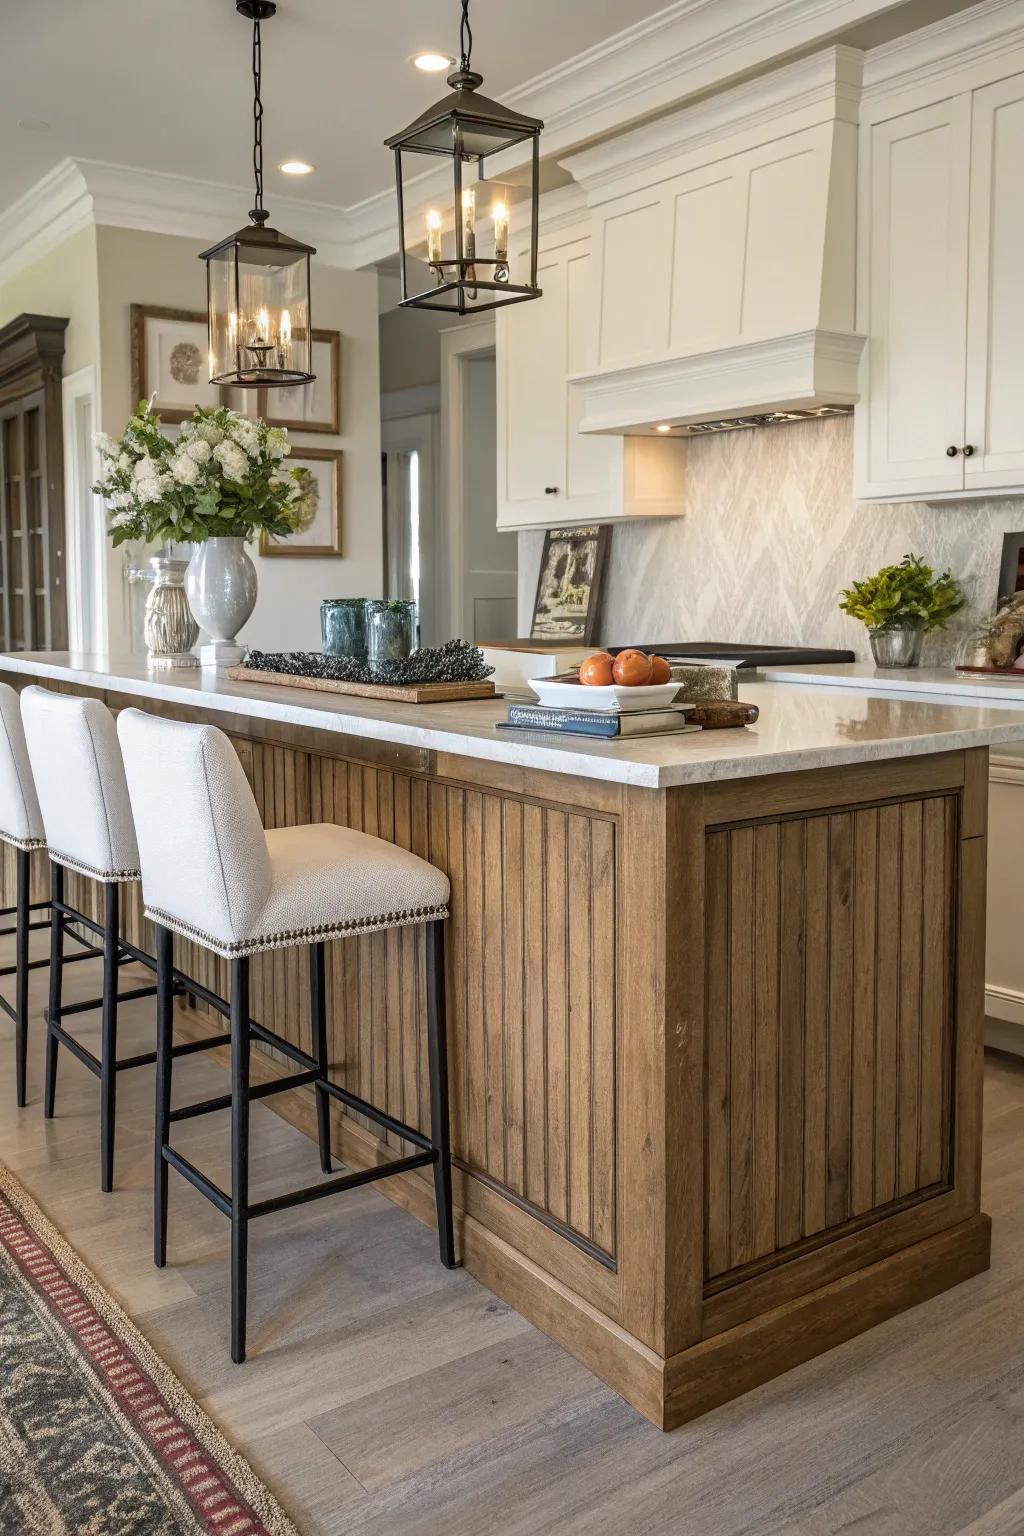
[(437, 1047), (164, 1060), (108, 1048), (56, 980), (239, 1152), (318, 1016), (21, 974)]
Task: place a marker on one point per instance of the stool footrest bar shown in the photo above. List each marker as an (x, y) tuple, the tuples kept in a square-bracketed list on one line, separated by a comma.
[(257, 1091), (147, 1058), (85, 1057), (198, 1180), (361, 1107), (122, 997), (336, 1186), (270, 1037)]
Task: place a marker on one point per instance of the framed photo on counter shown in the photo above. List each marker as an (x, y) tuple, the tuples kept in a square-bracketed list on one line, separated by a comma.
[(169, 352), (568, 601), (312, 407), (321, 537), (1011, 569)]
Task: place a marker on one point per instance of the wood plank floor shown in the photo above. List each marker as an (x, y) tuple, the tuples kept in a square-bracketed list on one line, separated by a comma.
[(385, 1395)]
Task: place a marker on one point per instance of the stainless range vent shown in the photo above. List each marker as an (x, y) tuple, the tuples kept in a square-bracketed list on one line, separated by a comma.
[(765, 419)]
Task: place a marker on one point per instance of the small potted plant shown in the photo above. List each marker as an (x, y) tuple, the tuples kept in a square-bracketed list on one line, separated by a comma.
[(220, 484), (899, 605)]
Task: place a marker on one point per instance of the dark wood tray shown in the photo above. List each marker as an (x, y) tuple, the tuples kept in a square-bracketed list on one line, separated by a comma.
[(403, 693)]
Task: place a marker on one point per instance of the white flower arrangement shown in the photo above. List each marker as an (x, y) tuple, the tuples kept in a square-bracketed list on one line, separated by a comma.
[(222, 478)]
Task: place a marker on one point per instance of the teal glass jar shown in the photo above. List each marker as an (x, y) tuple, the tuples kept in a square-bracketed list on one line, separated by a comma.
[(390, 629), (343, 627)]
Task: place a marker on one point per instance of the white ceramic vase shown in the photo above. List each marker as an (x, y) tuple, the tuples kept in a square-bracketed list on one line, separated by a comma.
[(221, 586)]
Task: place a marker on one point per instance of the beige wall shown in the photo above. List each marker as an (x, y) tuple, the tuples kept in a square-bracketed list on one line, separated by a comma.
[(63, 282), (142, 268), (771, 534)]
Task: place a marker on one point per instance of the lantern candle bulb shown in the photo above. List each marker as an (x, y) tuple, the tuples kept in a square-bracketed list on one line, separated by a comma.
[(469, 222), (284, 339), (434, 237), (499, 213)]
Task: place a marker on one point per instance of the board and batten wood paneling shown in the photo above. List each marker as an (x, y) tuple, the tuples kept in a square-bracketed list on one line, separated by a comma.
[(829, 999), (531, 1011)]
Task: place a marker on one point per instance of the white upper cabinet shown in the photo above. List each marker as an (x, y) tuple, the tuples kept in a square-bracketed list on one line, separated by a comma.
[(995, 291), (942, 297), (549, 474)]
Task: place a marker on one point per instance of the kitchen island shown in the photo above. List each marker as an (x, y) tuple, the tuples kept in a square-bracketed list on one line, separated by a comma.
[(714, 1003)]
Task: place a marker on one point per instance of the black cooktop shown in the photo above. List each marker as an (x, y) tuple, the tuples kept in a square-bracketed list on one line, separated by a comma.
[(741, 655)]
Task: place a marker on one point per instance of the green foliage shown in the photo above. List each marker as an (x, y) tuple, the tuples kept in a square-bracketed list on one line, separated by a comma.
[(223, 477), (904, 594)]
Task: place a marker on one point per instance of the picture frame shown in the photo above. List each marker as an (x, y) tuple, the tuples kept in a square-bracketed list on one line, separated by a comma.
[(1011, 568), (169, 348), (322, 540), (567, 605), (312, 407)]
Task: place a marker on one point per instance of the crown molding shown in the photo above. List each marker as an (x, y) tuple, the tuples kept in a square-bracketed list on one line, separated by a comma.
[(822, 88), (49, 213), (989, 29)]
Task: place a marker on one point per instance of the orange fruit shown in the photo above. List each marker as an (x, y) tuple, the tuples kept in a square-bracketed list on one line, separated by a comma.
[(596, 671), (631, 669), (661, 672)]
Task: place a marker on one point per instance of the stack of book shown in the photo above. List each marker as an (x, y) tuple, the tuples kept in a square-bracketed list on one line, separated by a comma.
[(596, 722)]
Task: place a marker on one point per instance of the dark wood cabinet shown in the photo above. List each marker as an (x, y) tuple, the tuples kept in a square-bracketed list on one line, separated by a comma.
[(33, 599)]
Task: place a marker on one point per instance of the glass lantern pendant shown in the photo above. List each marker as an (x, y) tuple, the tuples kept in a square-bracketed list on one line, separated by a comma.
[(257, 280), (461, 260)]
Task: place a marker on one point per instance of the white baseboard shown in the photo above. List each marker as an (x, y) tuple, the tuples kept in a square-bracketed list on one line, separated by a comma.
[(1004, 1019)]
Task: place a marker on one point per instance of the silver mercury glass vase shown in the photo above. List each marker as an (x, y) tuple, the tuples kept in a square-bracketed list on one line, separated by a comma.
[(221, 585), (169, 628)]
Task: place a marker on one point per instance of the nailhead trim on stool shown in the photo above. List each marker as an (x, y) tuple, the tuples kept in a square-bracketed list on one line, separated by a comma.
[(297, 936), (27, 844), (120, 876)]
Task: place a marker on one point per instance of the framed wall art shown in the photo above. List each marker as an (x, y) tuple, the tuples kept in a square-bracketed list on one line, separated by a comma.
[(568, 601), (169, 359), (312, 407), (322, 534)]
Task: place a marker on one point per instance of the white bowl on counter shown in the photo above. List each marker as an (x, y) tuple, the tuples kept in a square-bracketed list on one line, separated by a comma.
[(607, 700)]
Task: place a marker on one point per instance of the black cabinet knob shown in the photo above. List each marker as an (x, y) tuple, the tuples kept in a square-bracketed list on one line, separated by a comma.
[(952, 451), (551, 490), (968, 450)]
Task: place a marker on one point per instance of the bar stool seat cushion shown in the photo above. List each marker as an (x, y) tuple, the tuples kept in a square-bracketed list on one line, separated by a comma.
[(21, 821), (79, 778), (211, 872), (328, 882)]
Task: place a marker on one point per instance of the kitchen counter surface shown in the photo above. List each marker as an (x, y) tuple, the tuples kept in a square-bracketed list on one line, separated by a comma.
[(848, 718), (1003, 691)]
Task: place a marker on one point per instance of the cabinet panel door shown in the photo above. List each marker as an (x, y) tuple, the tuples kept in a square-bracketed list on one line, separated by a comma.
[(531, 409), (995, 317), (593, 462), (917, 300)]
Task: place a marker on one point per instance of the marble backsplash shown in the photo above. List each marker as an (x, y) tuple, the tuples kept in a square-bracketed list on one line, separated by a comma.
[(772, 533)]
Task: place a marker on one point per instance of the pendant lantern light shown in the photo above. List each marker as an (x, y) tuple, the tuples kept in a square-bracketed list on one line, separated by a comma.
[(466, 244), (257, 280)]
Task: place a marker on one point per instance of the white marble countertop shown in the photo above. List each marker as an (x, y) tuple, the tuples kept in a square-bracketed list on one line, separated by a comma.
[(800, 727), (1006, 689)]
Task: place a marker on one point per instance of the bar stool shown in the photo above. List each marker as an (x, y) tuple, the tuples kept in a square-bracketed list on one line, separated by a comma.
[(83, 798), (21, 825), (243, 890)]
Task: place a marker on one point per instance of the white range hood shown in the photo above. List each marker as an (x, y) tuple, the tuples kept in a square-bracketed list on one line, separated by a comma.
[(724, 258)]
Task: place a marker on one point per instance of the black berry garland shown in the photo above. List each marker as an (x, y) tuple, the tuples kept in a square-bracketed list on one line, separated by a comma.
[(455, 662)]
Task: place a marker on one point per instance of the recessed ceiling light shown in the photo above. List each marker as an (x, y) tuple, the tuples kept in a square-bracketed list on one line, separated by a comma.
[(663, 426), (432, 63), (296, 167)]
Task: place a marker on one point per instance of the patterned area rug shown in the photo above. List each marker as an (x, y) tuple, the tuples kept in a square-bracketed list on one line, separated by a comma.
[(97, 1436)]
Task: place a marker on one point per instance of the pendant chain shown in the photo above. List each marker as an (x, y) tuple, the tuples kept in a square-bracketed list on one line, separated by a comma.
[(465, 36), (257, 119)]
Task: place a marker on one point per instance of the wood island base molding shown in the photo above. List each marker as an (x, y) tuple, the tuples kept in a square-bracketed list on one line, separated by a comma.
[(716, 1050)]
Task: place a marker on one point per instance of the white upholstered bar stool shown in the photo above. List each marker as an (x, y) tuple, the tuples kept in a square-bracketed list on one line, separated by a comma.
[(83, 799), (239, 890), (21, 825)]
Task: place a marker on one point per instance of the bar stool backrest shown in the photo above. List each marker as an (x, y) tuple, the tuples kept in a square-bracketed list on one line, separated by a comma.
[(79, 777), (203, 848), (21, 821)]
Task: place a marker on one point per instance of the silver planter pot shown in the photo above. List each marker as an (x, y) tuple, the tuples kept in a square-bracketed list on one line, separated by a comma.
[(221, 584), (897, 645), (169, 628)]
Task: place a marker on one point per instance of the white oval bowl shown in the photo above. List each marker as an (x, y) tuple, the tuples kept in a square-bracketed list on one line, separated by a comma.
[(609, 700)]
